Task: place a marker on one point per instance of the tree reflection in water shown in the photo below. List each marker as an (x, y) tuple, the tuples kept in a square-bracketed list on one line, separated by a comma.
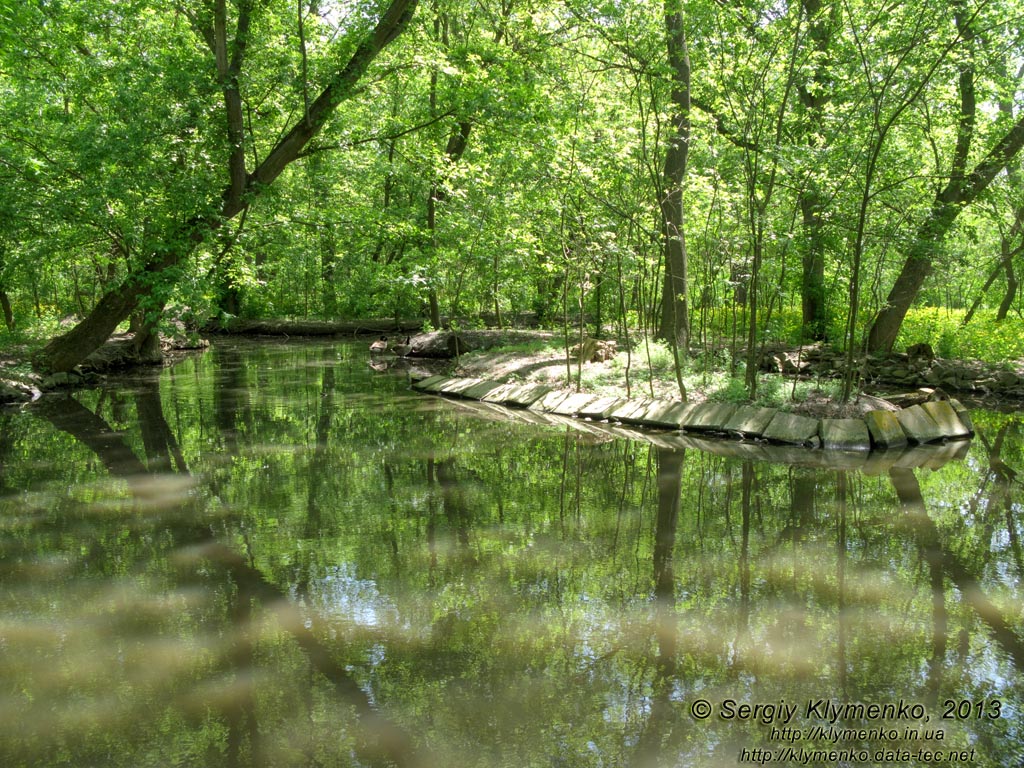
[(377, 739), (272, 558)]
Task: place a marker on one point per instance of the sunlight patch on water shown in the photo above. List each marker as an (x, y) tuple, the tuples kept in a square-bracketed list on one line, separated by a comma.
[(340, 593)]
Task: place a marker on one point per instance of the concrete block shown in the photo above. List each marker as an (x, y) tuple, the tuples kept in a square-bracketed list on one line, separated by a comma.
[(430, 384), (664, 414), (574, 404), (919, 425), (479, 390), (499, 394), (600, 408), (963, 414), (750, 420), (550, 400), (793, 429), (845, 435), (885, 429), (525, 395), (627, 408), (709, 417), (946, 417), (458, 386)]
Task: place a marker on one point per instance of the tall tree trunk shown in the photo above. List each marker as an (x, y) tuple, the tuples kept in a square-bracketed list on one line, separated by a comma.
[(813, 96), (5, 300), (65, 352), (675, 313), (453, 151), (329, 268), (675, 320), (147, 335), (812, 279)]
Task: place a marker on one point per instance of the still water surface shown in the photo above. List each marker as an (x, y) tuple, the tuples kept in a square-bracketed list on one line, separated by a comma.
[(272, 555)]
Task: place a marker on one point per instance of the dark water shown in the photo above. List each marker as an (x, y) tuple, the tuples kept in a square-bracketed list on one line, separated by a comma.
[(272, 555)]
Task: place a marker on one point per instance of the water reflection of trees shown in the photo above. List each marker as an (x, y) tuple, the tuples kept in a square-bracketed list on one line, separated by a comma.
[(944, 563), (377, 739), (949, 574), (662, 726), (703, 573)]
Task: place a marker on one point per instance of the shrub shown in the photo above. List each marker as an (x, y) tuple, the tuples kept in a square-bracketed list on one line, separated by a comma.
[(983, 338)]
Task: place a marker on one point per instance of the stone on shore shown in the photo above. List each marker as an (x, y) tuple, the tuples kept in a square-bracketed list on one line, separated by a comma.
[(885, 429), (919, 425), (845, 435), (750, 420), (11, 392), (793, 429), (947, 419)]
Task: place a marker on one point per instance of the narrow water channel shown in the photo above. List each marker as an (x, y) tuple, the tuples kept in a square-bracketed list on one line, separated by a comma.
[(273, 555)]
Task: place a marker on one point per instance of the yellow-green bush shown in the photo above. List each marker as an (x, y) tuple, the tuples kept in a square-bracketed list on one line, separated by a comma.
[(983, 338)]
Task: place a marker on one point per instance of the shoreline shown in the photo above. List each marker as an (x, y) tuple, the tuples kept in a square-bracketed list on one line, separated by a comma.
[(489, 355), (937, 420)]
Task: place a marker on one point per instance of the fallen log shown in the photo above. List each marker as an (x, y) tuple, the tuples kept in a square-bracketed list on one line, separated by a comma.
[(283, 327), (450, 344)]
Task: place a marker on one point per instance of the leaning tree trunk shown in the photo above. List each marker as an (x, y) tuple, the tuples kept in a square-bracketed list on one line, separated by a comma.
[(959, 192), (65, 352), (1012, 243), (1011, 291)]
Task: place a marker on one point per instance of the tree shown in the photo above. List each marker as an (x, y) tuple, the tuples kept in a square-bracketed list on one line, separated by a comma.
[(814, 92), (962, 189), (167, 250), (675, 318)]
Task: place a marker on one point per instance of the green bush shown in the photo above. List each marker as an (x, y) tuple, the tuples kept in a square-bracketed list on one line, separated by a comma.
[(733, 390), (983, 338)]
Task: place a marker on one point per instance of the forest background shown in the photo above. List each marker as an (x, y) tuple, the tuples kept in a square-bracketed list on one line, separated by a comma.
[(800, 171)]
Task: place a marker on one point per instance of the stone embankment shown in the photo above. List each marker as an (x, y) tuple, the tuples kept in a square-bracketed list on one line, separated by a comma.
[(935, 421)]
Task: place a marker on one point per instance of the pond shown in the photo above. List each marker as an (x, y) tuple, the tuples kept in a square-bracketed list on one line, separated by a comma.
[(273, 555)]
